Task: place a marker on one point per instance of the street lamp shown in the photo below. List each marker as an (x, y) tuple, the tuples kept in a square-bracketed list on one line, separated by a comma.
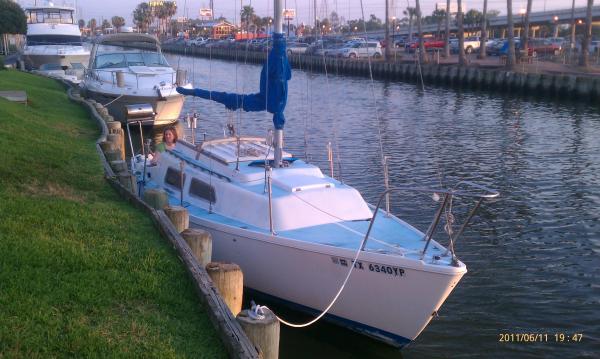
[(555, 18)]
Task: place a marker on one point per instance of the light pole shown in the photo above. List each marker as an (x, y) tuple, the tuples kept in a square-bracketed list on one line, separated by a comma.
[(555, 18), (522, 12)]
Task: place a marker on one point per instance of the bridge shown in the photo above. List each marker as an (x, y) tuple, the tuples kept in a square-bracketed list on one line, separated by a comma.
[(552, 18)]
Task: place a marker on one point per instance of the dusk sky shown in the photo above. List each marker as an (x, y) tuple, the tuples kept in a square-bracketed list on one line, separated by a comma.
[(349, 9)]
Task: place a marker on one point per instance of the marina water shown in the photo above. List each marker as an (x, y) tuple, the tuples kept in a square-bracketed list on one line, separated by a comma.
[(533, 255)]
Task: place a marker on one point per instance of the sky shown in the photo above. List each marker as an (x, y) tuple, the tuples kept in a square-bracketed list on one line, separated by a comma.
[(349, 9)]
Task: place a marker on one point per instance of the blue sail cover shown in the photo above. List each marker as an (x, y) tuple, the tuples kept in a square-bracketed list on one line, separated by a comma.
[(272, 97)]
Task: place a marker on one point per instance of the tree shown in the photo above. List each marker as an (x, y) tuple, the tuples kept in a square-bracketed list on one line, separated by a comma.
[(447, 25), (483, 40), (511, 58), (12, 21), (525, 41), (117, 22), (472, 18), (246, 15), (410, 12), (438, 15), (374, 23), (92, 24), (421, 42), (585, 45), (169, 10), (142, 16), (105, 24), (462, 60)]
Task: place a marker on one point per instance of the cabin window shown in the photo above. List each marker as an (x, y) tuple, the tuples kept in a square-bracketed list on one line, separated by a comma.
[(66, 17), (173, 178), (202, 190)]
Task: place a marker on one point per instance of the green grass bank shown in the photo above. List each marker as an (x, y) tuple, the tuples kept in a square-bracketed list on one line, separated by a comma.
[(82, 273)]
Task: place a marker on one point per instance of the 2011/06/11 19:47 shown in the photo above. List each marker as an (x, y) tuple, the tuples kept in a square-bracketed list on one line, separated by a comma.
[(540, 337)]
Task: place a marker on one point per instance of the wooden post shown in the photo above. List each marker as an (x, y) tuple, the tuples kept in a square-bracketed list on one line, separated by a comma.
[(107, 146), (263, 333), (119, 166), (229, 280), (113, 155), (200, 242), (128, 181), (156, 198), (179, 216)]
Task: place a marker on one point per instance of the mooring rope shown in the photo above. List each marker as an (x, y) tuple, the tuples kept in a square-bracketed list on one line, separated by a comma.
[(303, 325)]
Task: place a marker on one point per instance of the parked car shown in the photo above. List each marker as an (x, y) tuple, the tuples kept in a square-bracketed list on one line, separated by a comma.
[(199, 41), (296, 48), (363, 49), (471, 45), (544, 47), (429, 44)]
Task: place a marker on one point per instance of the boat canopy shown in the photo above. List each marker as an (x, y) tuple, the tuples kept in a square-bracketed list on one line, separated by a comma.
[(125, 39)]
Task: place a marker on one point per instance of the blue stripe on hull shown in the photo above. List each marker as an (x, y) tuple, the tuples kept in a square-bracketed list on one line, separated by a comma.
[(377, 334)]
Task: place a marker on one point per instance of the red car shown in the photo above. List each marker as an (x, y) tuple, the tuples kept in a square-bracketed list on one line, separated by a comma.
[(429, 44), (543, 47)]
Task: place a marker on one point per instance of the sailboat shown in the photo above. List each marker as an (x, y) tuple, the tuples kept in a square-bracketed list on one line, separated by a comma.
[(302, 237)]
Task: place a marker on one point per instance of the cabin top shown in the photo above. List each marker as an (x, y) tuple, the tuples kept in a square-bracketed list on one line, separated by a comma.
[(250, 149)]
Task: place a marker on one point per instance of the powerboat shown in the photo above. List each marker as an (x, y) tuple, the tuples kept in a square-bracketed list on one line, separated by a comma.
[(53, 38), (130, 69)]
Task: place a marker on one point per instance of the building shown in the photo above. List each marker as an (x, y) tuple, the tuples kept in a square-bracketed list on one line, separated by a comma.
[(216, 29)]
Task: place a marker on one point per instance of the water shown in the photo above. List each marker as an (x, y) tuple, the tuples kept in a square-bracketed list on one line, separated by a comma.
[(534, 254)]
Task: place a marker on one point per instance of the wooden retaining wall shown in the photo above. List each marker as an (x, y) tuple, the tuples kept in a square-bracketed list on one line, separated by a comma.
[(584, 88), (235, 340)]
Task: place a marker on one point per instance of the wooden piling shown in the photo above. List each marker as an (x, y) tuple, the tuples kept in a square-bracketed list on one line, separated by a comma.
[(113, 155), (119, 166), (127, 180), (156, 198), (229, 280), (200, 242), (263, 333), (179, 216)]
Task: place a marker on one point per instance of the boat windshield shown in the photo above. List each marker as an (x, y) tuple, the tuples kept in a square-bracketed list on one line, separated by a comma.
[(34, 40), (126, 59)]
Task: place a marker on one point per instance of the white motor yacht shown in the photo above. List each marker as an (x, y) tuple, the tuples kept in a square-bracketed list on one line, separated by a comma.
[(129, 69), (53, 38)]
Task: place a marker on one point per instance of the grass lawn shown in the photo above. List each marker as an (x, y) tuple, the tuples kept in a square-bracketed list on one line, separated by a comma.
[(82, 273)]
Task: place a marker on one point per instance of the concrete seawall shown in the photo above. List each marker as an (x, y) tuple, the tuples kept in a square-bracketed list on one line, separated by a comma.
[(582, 88)]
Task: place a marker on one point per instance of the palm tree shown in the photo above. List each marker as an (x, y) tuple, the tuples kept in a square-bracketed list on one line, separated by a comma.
[(526, 27), (482, 47), (92, 25), (410, 12), (117, 22), (142, 16), (511, 59), (447, 44), (438, 16), (421, 43), (585, 45), (246, 15), (170, 10), (462, 60)]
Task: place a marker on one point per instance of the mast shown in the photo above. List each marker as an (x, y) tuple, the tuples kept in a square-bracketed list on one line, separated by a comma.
[(278, 138)]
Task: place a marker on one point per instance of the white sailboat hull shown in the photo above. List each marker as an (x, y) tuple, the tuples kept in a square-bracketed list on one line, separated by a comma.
[(387, 297)]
